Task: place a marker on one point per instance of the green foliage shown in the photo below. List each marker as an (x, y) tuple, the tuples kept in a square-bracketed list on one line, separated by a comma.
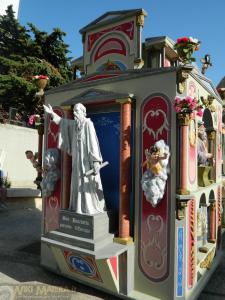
[(5, 182), (25, 53)]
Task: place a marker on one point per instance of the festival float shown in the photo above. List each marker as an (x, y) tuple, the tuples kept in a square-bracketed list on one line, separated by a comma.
[(132, 183)]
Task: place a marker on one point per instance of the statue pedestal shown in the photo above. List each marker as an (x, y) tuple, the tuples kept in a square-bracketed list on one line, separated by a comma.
[(203, 175), (89, 232)]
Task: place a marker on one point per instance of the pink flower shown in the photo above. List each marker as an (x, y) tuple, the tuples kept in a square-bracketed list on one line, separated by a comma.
[(32, 119), (200, 113), (192, 105), (177, 100), (178, 109), (189, 99)]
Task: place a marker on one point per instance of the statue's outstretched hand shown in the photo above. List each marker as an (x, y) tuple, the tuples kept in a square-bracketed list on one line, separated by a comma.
[(48, 109)]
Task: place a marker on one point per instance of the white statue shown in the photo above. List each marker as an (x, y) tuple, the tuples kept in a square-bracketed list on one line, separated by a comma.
[(78, 138), (154, 178), (51, 172)]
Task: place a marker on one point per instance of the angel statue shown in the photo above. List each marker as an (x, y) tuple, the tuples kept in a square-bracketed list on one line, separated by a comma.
[(154, 178), (51, 172)]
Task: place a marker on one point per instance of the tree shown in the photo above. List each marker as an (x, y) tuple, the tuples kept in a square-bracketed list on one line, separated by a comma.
[(25, 53)]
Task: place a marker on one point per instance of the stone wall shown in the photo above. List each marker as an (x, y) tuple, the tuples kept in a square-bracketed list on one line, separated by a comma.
[(14, 141)]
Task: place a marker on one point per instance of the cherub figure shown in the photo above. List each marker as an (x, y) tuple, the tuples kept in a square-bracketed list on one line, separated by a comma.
[(51, 172), (154, 178), (33, 158)]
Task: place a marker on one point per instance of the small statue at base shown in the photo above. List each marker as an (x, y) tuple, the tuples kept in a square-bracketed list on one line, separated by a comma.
[(51, 172)]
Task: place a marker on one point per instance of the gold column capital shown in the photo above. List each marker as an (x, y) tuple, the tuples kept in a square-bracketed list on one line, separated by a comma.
[(213, 204), (124, 100), (67, 108), (184, 118), (211, 134), (140, 20)]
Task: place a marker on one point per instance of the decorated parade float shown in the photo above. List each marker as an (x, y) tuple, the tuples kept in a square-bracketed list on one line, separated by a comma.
[(132, 183)]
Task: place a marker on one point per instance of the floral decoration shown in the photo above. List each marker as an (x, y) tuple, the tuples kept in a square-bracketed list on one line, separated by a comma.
[(33, 119), (188, 105), (36, 77), (185, 47)]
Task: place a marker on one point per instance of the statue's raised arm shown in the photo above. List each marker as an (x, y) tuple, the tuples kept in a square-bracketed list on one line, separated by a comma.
[(48, 109)]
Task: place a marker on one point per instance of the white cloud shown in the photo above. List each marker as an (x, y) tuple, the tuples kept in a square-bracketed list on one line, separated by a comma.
[(5, 3)]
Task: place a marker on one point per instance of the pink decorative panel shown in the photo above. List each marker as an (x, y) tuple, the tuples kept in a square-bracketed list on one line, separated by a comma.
[(191, 256), (192, 89), (110, 46), (127, 28), (154, 222), (192, 163), (53, 203)]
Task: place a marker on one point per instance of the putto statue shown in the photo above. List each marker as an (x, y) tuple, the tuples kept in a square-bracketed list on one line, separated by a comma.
[(78, 138), (154, 178), (51, 172)]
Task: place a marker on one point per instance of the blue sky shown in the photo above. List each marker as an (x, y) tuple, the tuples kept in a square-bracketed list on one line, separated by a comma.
[(200, 19)]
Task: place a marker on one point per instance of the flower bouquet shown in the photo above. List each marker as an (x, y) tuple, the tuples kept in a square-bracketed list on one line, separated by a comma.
[(188, 105), (41, 82), (34, 120), (185, 47)]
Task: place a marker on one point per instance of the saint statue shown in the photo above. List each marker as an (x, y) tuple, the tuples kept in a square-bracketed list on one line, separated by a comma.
[(78, 138), (203, 155)]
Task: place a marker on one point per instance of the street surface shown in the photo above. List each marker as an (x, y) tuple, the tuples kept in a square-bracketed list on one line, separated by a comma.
[(22, 277)]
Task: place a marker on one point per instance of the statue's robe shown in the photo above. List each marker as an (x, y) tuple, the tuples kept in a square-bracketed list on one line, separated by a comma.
[(202, 158), (81, 142)]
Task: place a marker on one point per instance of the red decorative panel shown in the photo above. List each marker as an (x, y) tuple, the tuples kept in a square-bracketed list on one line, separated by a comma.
[(113, 262), (110, 46), (53, 203), (127, 28), (154, 243), (191, 243)]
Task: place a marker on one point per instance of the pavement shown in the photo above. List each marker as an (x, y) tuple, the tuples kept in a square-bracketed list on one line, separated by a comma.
[(22, 277)]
